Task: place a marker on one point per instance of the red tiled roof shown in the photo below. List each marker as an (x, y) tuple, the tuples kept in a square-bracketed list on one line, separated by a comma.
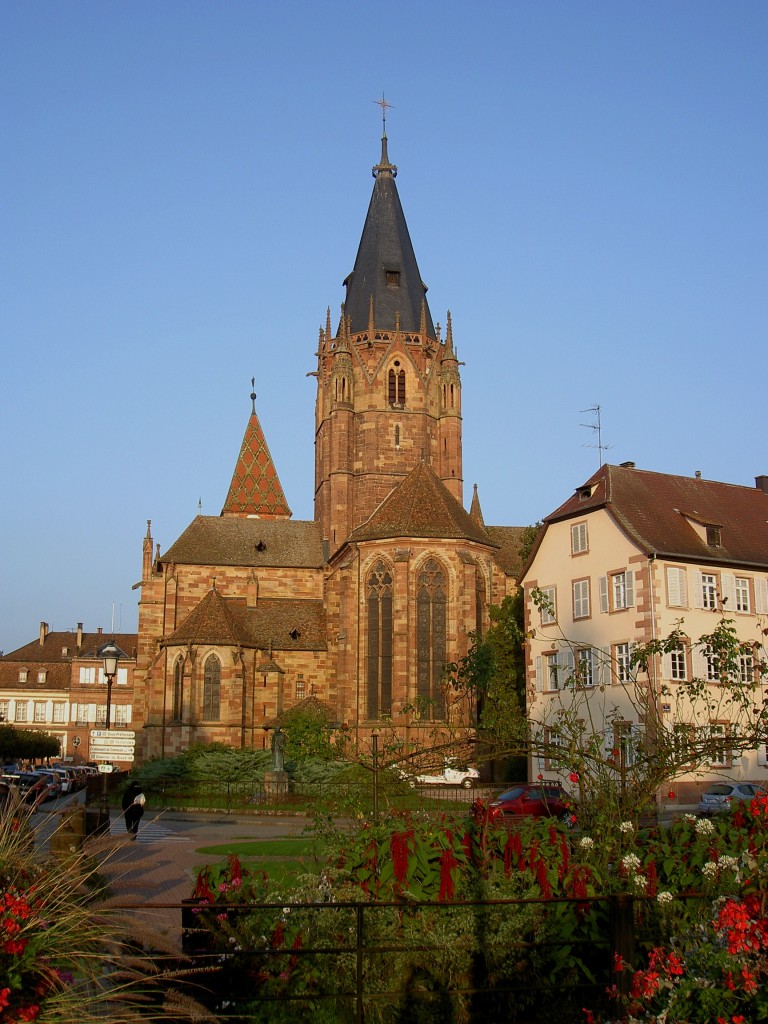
[(277, 623), (51, 651), (653, 509), (421, 506)]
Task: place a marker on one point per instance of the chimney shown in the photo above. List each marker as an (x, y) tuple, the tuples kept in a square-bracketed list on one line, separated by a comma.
[(79, 635), (761, 483), (627, 465), (99, 630), (43, 632)]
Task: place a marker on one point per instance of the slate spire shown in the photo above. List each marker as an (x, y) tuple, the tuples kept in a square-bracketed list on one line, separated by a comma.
[(386, 276), (255, 489)]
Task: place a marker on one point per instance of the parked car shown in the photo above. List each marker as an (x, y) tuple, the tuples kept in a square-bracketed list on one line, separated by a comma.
[(534, 799), (448, 775), (54, 783), (721, 796), (32, 790), (65, 779)]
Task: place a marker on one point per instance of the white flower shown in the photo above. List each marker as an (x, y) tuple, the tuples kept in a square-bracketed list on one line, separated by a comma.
[(664, 897), (286, 910), (626, 827), (709, 869), (704, 827), (690, 818), (639, 881), (631, 861), (586, 842)]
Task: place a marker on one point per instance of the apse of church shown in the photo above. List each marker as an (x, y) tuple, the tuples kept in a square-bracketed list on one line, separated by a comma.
[(248, 613)]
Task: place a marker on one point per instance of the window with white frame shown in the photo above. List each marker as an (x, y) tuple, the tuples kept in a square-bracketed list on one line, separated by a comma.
[(741, 586), (3, 710), (59, 712), (122, 677), (82, 714), (101, 714), (20, 714), (617, 591), (677, 587), (121, 714), (39, 711), (581, 599), (746, 667), (627, 742), (300, 686), (41, 674), (585, 667), (87, 674), (554, 742), (720, 746), (553, 666), (683, 739), (548, 606), (707, 591), (622, 662), (579, 539), (711, 665), (22, 675), (678, 660)]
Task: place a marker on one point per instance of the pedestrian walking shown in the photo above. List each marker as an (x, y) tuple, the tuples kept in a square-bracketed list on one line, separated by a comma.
[(133, 808)]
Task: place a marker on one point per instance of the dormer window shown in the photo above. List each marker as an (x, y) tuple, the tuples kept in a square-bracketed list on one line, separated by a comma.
[(261, 546), (392, 278), (713, 536), (295, 633), (585, 493)]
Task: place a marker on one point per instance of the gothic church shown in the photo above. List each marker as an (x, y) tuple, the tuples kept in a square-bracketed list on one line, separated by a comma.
[(250, 612)]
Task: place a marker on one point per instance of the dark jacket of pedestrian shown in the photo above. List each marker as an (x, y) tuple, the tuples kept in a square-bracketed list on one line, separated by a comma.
[(133, 807)]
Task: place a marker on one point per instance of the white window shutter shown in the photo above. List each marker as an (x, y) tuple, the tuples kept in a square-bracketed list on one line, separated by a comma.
[(699, 664), (728, 591), (698, 589), (603, 593), (676, 596), (630, 577), (761, 595), (539, 674), (129, 714), (762, 756), (666, 666), (602, 657), (91, 712)]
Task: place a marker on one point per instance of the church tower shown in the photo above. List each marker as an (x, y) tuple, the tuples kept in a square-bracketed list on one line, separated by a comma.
[(388, 386)]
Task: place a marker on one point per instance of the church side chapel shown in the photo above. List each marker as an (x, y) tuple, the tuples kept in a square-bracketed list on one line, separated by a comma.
[(249, 613)]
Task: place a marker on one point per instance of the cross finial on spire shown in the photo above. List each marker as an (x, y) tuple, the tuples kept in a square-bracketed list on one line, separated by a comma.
[(253, 394), (384, 108)]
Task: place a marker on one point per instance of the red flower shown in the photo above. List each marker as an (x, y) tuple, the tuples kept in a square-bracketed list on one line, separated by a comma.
[(447, 887), (574, 778), (399, 847)]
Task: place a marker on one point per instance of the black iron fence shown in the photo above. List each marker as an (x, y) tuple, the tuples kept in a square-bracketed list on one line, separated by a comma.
[(523, 961)]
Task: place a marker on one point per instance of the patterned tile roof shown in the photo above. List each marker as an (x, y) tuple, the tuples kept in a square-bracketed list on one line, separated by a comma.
[(421, 506), (255, 489), (655, 510), (273, 623), (222, 540)]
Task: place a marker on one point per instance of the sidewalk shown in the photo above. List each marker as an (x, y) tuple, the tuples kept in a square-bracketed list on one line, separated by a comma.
[(158, 870)]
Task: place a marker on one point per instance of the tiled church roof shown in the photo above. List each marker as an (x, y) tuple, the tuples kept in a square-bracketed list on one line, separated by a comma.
[(508, 541), (272, 623), (217, 540), (421, 506), (255, 489)]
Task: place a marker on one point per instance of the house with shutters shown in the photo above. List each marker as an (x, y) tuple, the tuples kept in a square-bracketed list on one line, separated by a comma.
[(249, 612), (630, 557), (56, 684)]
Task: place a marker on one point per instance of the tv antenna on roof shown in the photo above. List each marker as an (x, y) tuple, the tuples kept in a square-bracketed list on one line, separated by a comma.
[(597, 428)]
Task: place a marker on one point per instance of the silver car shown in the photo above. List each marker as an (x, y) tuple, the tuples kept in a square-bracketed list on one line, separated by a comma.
[(722, 795)]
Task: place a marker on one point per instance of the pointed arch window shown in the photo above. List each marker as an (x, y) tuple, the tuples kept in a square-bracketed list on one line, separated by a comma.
[(396, 384), (178, 690), (211, 688), (431, 619), (379, 652)]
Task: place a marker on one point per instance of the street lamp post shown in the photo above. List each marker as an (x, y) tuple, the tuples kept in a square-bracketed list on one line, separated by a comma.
[(110, 655)]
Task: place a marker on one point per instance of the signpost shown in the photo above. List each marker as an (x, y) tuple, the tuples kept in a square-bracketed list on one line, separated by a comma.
[(110, 745)]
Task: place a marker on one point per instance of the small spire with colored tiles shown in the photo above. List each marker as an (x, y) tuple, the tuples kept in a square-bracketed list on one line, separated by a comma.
[(255, 491)]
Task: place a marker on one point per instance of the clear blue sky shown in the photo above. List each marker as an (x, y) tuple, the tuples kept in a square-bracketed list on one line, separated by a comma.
[(184, 185)]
